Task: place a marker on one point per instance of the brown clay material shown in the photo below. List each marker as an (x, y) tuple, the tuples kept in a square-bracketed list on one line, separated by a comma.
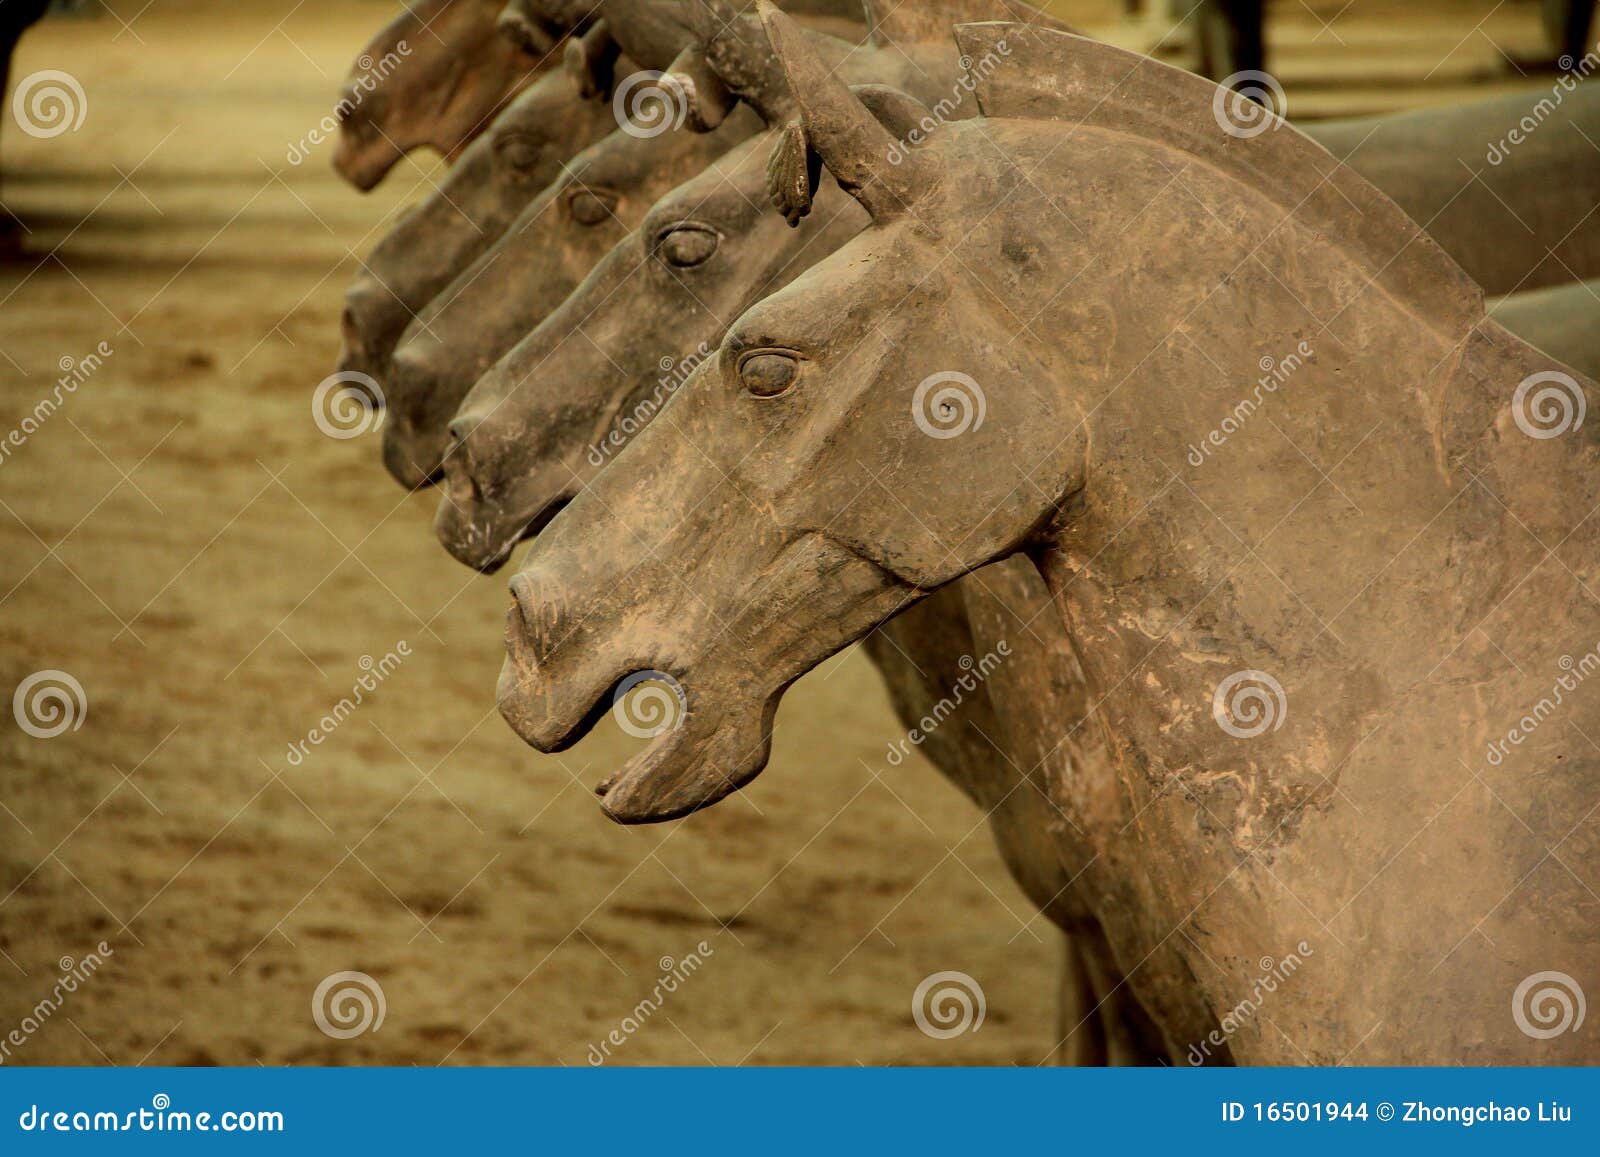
[(544, 420), (434, 77), (1514, 207), (790, 501), (549, 414), (712, 251), (538, 26), (492, 182), (546, 252), (1562, 321), (509, 289)]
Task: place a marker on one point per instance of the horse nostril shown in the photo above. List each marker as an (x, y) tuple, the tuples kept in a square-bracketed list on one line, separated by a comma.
[(461, 428)]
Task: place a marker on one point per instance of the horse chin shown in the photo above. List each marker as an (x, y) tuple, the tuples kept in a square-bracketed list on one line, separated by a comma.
[(693, 766), (716, 742), (409, 459), (364, 166), (477, 535)]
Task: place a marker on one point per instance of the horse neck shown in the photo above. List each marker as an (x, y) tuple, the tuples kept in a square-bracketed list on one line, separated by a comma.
[(1361, 549)]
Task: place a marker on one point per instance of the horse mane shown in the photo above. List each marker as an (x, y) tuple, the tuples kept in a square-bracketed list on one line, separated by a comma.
[(920, 21), (1056, 76)]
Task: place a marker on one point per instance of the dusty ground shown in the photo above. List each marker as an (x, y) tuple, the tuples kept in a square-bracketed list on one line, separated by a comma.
[(182, 540)]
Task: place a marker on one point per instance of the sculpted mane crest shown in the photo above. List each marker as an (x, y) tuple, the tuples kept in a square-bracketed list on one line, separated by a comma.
[(1057, 76), (911, 21)]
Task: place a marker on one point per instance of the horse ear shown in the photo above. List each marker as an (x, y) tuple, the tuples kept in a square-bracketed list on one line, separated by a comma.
[(707, 99), (731, 60), (794, 169), (898, 111), (591, 61), (708, 18), (867, 161)]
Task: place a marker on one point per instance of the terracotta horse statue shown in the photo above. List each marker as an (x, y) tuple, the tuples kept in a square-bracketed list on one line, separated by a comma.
[(594, 201), (545, 419), (493, 180), (1521, 224), (715, 232), (435, 76), (1320, 664), (513, 286)]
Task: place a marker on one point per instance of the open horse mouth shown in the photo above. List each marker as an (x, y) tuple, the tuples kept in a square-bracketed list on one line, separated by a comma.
[(697, 755), (475, 537), (477, 531), (683, 770)]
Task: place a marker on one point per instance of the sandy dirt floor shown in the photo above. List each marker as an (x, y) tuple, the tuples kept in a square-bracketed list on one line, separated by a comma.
[(182, 540)]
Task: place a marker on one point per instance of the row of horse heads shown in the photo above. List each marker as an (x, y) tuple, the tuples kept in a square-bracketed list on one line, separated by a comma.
[(943, 327)]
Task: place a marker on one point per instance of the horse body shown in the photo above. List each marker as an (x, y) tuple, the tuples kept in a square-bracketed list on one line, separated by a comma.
[(1513, 207), (791, 491)]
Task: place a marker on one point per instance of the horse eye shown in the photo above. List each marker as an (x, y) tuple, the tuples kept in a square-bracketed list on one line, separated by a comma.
[(519, 153), (767, 374), (587, 208), (689, 245)]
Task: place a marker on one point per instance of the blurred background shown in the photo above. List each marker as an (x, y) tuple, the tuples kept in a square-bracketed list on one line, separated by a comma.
[(215, 574)]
